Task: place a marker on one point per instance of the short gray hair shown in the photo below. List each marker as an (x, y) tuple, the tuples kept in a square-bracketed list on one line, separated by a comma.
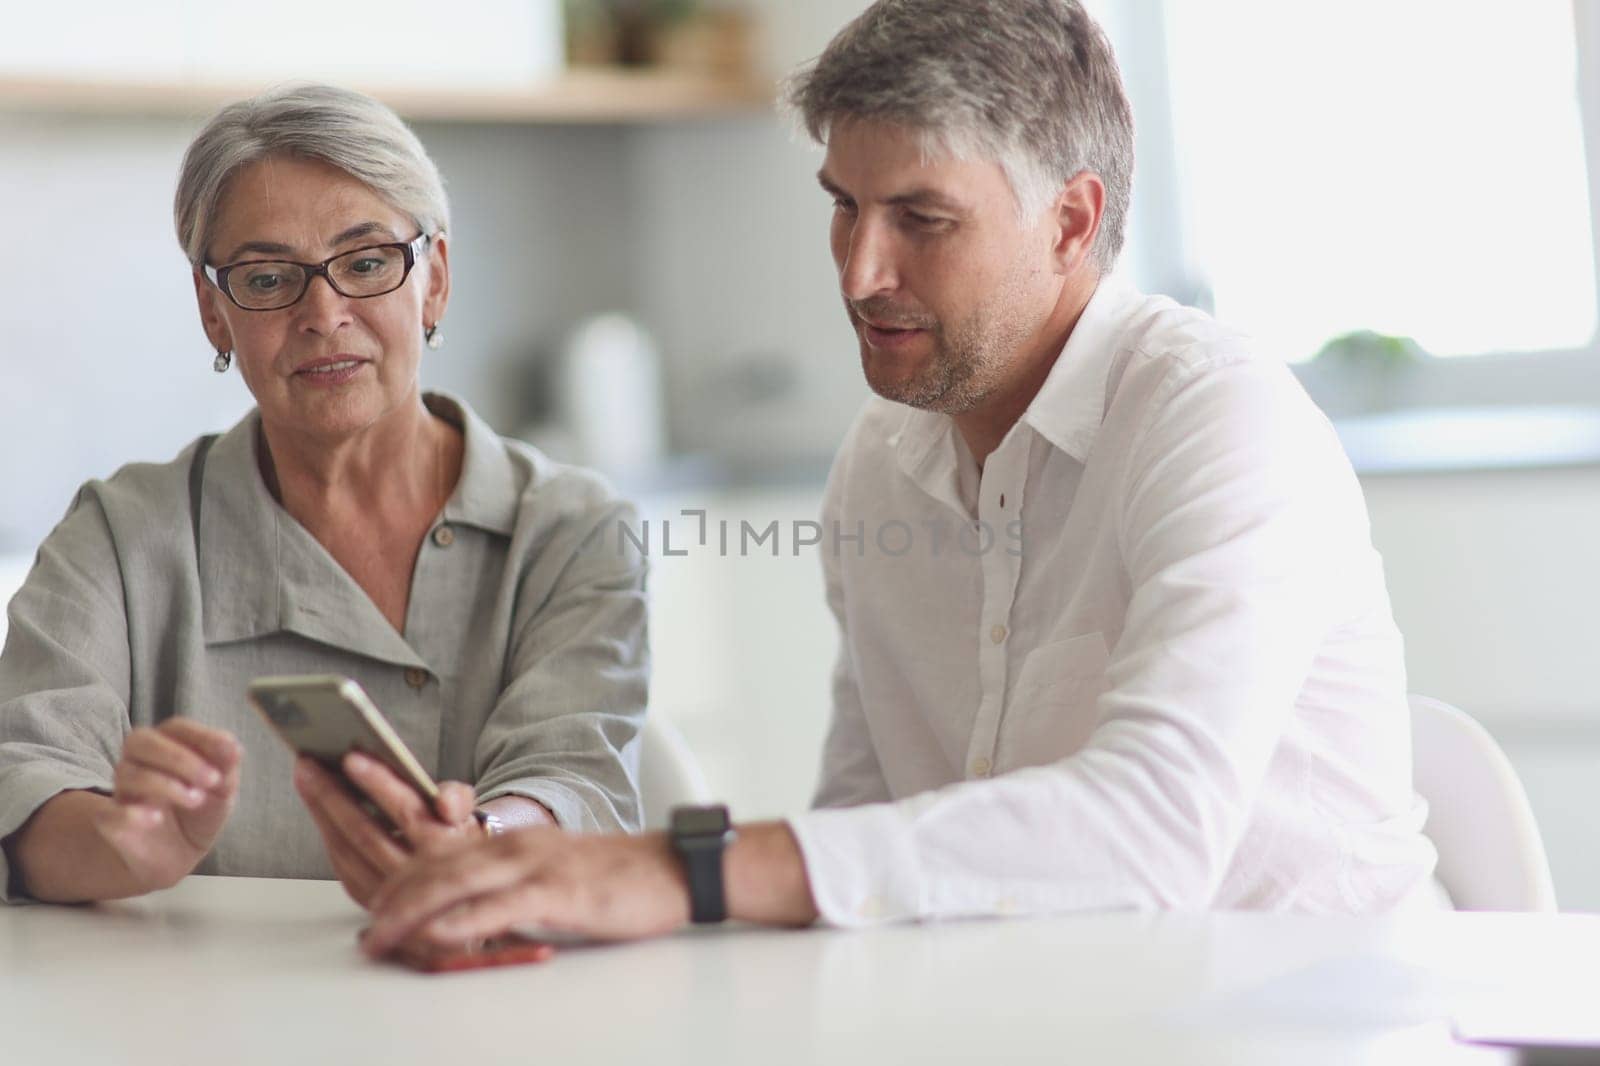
[(1031, 85), (343, 128)]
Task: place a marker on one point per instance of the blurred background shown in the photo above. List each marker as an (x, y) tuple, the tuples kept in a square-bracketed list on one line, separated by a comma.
[(1393, 195)]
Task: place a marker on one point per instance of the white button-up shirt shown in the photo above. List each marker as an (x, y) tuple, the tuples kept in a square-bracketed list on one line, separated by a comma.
[(1145, 658)]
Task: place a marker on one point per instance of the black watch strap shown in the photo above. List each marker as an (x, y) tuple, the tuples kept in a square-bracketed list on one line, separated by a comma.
[(700, 835)]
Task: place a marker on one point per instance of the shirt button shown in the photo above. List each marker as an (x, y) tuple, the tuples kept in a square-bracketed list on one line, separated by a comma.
[(416, 677), (981, 767), (997, 634), (444, 536), (1002, 500)]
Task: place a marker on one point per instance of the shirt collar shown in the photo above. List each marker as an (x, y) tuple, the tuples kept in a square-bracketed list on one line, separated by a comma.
[(261, 572), (486, 494), (925, 446), (237, 540), (1071, 404)]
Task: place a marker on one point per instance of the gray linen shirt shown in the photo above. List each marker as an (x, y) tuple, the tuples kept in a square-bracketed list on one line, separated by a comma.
[(522, 669)]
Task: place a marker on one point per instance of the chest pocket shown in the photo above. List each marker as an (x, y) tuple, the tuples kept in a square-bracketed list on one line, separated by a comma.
[(1052, 712)]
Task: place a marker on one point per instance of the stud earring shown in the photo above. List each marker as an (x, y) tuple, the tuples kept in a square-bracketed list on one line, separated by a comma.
[(434, 335), (222, 362)]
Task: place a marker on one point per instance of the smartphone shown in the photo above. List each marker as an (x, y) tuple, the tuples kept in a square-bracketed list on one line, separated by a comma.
[(511, 952), (327, 717)]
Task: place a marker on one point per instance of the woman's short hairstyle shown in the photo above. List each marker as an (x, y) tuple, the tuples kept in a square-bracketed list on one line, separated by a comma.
[(345, 129), (1031, 85)]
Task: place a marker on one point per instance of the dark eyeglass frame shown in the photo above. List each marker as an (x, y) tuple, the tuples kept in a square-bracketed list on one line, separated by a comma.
[(410, 251)]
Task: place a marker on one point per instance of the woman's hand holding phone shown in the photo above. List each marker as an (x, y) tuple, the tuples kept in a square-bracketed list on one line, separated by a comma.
[(364, 853), (173, 789)]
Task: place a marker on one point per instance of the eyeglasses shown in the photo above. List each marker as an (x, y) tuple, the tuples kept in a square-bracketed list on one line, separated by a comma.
[(273, 284)]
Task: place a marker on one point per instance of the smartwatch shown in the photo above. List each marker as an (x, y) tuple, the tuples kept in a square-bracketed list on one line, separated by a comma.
[(699, 836)]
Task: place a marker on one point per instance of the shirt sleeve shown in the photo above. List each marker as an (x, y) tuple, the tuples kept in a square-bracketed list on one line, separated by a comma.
[(1232, 498), (64, 675), (564, 728), (850, 774)]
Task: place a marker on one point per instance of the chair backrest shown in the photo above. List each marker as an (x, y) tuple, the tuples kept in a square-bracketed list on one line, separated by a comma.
[(1491, 857), (669, 774)]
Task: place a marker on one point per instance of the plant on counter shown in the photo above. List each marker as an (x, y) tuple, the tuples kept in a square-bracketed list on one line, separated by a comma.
[(1371, 350), (1369, 368)]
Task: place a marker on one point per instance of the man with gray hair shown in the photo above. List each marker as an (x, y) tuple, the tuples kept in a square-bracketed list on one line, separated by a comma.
[(1150, 662)]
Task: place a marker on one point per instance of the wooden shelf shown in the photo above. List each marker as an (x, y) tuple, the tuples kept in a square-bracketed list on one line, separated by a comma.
[(580, 96)]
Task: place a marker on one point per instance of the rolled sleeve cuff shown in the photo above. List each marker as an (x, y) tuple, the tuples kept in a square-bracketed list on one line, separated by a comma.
[(565, 804), (23, 790), (861, 865)]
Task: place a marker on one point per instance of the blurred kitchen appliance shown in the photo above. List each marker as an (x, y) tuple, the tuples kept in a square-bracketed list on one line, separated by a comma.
[(608, 394)]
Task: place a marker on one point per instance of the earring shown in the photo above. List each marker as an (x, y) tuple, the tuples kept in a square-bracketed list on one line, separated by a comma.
[(222, 362), (434, 335)]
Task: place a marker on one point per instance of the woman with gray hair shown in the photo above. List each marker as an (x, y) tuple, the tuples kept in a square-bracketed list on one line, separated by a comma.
[(350, 524)]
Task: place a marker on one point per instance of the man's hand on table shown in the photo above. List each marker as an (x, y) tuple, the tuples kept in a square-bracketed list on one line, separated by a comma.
[(602, 887), (610, 887)]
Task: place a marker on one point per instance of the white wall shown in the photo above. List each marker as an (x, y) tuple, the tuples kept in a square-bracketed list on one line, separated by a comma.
[(735, 274), (103, 360), (1494, 577), (541, 226), (737, 281)]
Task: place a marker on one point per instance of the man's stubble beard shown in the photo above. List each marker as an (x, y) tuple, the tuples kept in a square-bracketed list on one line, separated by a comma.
[(968, 364)]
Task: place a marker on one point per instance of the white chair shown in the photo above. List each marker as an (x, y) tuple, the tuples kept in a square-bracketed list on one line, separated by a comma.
[(1491, 857), (669, 774)]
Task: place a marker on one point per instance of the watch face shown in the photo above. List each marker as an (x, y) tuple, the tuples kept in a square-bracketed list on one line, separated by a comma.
[(700, 821)]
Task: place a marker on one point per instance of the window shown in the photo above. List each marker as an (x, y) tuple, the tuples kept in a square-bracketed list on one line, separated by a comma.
[(1413, 167)]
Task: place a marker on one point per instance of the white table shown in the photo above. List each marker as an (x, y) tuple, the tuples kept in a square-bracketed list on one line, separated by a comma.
[(245, 971)]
